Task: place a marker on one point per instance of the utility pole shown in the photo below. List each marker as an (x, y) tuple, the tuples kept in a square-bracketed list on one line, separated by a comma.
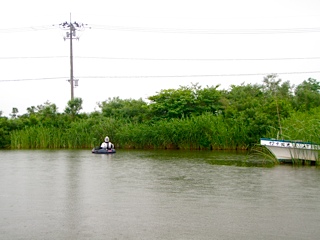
[(71, 34)]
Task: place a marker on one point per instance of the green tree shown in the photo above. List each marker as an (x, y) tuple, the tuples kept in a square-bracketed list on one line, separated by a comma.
[(173, 103), (31, 110), (47, 109), (135, 110), (278, 100), (208, 99), (307, 95), (14, 113), (244, 98), (47, 114), (74, 107), (185, 102), (4, 132), (244, 108)]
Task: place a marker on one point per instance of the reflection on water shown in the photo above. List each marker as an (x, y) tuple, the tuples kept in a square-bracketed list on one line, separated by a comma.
[(66, 194)]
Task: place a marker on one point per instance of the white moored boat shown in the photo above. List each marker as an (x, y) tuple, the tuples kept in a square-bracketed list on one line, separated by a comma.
[(288, 150)]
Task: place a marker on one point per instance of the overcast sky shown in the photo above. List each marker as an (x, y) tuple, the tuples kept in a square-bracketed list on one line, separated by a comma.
[(134, 49)]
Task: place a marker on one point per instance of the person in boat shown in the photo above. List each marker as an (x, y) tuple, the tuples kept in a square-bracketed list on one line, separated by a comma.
[(107, 144)]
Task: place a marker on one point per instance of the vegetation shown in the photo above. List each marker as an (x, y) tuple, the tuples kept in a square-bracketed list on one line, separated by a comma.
[(190, 117)]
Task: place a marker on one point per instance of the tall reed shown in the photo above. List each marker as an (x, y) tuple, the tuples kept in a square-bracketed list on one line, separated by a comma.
[(301, 126), (37, 137), (207, 131), (304, 126)]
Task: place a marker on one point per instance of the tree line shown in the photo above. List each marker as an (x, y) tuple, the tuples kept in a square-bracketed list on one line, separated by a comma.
[(190, 117)]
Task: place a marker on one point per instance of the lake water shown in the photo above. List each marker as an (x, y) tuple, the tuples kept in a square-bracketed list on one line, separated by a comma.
[(74, 194)]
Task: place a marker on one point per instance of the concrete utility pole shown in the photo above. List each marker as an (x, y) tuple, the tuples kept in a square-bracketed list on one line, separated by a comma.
[(71, 34)]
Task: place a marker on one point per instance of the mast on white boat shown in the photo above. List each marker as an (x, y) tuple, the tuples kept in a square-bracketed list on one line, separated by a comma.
[(280, 128)]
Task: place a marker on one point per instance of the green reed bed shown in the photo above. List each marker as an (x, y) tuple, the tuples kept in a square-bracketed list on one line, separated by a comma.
[(167, 134), (123, 140), (89, 133), (201, 132), (261, 152), (133, 136), (207, 131), (301, 126), (222, 136), (37, 137)]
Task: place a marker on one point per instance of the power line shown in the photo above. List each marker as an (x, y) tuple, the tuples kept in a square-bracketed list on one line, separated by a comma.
[(207, 31), (32, 79), (168, 59), (205, 59), (163, 76), (34, 57), (27, 29), (171, 30), (201, 75)]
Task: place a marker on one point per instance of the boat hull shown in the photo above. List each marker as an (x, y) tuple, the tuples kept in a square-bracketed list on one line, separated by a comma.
[(288, 150), (103, 151)]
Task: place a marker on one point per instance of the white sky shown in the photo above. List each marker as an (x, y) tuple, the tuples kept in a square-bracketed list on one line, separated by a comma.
[(225, 41)]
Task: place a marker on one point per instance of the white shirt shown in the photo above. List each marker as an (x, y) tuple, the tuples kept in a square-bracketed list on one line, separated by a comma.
[(106, 145)]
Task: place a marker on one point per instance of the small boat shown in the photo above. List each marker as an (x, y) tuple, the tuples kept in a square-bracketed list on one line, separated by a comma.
[(99, 150), (289, 150)]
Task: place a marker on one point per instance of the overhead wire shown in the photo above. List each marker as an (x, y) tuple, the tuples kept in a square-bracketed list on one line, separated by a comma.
[(202, 59), (206, 31), (33, 57), (172, 30), (26, 29), (160, 76), (166, 59)]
